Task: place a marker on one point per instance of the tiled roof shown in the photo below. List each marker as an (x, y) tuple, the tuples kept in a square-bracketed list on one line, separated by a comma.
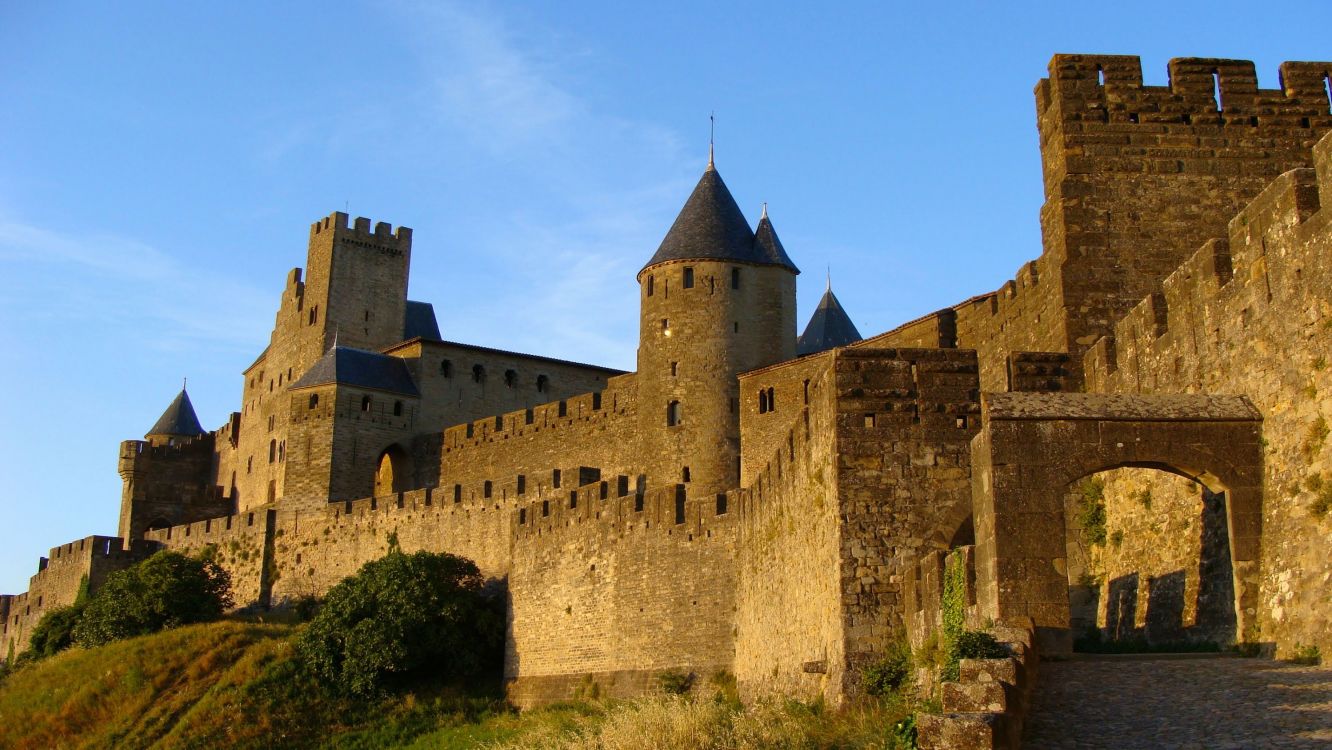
[(179, 419), (361, 369), (712, 227), (420, 322), (828, 327)]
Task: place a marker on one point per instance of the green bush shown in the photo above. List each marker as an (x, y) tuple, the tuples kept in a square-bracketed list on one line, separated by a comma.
[(675, 682), (976, 644), (404, 616), (165, 591), (889, 674), (55, 631), (1091, 510)]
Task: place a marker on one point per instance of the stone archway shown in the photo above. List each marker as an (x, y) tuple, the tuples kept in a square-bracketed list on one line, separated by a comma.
[(1033, 445), (393, 471)]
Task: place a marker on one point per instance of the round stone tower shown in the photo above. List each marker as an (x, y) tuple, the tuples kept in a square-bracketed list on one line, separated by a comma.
[(716, 300)]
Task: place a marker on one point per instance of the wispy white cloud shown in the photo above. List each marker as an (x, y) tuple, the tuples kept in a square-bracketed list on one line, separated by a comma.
[(104, 284)]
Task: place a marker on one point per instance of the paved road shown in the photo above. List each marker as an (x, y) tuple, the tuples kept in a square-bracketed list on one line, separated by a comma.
[(1193, 704)]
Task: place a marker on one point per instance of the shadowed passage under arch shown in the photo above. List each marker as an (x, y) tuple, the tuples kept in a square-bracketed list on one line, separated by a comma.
[(1031, 446)]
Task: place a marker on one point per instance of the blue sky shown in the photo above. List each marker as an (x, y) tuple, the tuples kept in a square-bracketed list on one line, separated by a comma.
[(160, 164)]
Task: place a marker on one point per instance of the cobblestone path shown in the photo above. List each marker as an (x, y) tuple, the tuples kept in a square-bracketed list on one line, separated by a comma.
[(1171, 704)]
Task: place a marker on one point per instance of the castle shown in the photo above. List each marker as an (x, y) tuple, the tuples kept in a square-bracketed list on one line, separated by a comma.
[(773, 505)]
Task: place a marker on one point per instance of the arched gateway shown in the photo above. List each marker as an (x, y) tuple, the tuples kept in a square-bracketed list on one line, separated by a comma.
[(1031, 446)]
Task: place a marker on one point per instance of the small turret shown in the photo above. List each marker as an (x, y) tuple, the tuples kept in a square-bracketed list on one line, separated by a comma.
[(828, 328), (176, 423)]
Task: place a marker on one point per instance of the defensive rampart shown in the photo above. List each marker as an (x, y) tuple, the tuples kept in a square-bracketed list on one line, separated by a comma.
[(1249, 314)]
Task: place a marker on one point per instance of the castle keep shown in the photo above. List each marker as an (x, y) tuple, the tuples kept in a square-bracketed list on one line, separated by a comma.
[(774, 506)]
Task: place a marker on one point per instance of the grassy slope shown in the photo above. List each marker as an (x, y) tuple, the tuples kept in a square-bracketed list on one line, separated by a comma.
[(230, 684)]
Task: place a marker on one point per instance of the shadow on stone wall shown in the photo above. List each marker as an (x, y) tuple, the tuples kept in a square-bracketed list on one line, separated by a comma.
[(1163, 617)]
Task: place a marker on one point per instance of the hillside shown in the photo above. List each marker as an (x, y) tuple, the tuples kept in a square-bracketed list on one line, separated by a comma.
[(232, 684)]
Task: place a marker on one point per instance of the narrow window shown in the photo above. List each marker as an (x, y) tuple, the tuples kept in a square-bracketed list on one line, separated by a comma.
[(772, 401), (735, 278), (555, 479), (367, 316), (736, 326), (666, 326), (249, 465), (478, 374), (563, 409), (869, 420), (365, 403), (529, 416), (510, 378), (679, 504), (1216, 89), (650, 286), (446, 368), (397, 408), (457, 493), (721, 503), (487, 488), (314, 314), (688, 278), (673, 414), (596, 401), (282, 451), (674, 368), (573, 499), (543, 384), (763, 401), (522, 484), (522, 516), (605, 490), (807, 392), (1327, 86), (684, 474), (961, 422), (272, 451), (1100, 76), (545, 508)]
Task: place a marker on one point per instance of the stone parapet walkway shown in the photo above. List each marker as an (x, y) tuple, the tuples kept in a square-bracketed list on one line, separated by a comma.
[(1160, 703)]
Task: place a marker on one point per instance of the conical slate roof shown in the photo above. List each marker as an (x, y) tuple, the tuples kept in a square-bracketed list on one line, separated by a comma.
[(179, 419), (828, 327), (767, 244), (362, 369), (712, 227)]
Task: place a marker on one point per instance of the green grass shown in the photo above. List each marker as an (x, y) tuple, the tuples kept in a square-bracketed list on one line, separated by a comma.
[(235, 685)]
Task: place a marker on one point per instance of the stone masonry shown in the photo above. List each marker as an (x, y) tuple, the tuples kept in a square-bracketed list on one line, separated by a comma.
[(731, 508)]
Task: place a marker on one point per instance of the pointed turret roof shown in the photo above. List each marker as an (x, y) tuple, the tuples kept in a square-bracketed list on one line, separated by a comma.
[(769, 246), (712, 227), (179, 419), (829, 327), (357, 367)]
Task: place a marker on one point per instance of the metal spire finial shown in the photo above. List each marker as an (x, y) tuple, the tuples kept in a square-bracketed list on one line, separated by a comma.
[(184, 382), (829, 289), (712, 137), (765, 211)]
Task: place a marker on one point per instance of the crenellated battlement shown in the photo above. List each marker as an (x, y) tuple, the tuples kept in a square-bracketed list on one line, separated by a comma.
[(1257, 252), (1201, 91), (359, 230), (599, 405)]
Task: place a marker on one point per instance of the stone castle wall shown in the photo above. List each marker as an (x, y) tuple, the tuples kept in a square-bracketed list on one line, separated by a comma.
[(789, 635), (1136, 178), (607, 593), (57, 581), (1249, 314)]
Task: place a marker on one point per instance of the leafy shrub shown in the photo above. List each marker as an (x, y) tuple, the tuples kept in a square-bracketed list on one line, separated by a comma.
[(888, 674), (403, 616), (165, 591), (1307, 655), (1091, 510), (976, 644), (675, 682), (55, 631)]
